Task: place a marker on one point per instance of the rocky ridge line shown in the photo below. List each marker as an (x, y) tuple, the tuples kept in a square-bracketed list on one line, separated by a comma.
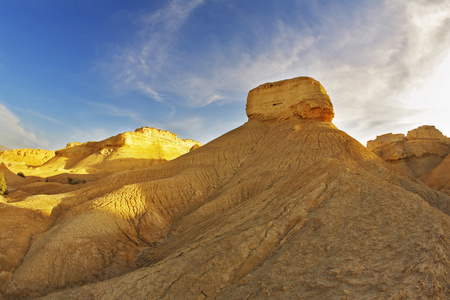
[(423, 152)]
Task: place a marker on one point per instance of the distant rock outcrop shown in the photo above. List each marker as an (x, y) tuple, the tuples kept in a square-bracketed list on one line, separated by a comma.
[(141, 148), (424, 151), (285, 206), (3, 148), (30, 157)]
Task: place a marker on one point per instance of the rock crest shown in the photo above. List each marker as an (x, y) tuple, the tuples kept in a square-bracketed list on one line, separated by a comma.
[(422, 141), (424, 151), (144, 147), (31, 157), (301, 97)]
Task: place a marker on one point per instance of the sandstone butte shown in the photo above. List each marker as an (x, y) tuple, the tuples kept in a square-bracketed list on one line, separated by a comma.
[(423, 153), (285, 206)]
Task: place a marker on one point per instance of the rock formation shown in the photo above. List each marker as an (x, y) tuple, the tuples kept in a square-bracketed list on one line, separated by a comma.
[(285, 206), (424, 152), (142, 148), (3, 148), (301, 97), (25, 157)]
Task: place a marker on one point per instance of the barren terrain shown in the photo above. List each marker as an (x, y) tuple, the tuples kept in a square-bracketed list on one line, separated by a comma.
[(284, 206)]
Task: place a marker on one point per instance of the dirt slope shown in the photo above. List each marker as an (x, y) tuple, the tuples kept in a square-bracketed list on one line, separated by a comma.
[(284, 207)]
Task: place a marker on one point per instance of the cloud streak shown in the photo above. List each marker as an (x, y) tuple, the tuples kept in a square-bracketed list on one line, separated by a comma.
[(40, 115), (115, 111), (139, 65), (13, 135)]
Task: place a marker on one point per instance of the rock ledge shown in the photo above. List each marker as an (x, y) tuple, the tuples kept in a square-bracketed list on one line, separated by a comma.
[(301, 97)]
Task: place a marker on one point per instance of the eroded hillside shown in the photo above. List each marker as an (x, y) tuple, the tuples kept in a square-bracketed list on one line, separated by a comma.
[(284, 206)]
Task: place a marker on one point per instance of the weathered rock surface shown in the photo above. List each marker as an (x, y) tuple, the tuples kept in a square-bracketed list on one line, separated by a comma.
[(439, 177), (388, 146), (422, 151), (286, 209), (142, 148), (30, 157), (301, 97)]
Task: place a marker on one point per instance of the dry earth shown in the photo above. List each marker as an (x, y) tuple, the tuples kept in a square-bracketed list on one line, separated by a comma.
[(285, 206)]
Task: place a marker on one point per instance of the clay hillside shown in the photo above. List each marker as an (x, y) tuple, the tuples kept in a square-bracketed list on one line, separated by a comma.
[(423, 153), (286, 206)]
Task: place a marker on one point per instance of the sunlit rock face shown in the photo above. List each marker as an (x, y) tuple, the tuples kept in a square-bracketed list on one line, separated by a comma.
[(426, 140), (301, 97), (31, 157), (423, 141), (388, 146), (423, 151), (144, 147)]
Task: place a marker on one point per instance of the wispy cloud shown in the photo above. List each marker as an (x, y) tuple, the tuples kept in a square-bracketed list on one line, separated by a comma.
[(138, 65), (115, 111), (39, 115), (13, 134)]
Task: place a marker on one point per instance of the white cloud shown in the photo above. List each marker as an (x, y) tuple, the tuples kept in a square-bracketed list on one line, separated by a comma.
[(13, 135), (138, 65), (39, 115)]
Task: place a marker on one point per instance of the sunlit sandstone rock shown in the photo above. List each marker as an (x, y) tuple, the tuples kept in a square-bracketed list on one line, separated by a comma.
[(422, 151), (422, 141), (301, 97), (31, 157), (143, 147), (388, 146)]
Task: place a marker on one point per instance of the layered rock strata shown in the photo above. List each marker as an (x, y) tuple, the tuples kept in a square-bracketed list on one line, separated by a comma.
[(301, 97), (424, 151), (26, 157), (141, 148)]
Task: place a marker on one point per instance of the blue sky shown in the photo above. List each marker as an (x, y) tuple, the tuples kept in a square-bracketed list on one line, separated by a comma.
[(81, 70)]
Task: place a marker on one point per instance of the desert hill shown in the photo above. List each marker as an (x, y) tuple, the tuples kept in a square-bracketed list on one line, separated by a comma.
[(48, 172), (20, 158), (3, 148), (285, 206), (139, 149), (142, 148), (423, 152)]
